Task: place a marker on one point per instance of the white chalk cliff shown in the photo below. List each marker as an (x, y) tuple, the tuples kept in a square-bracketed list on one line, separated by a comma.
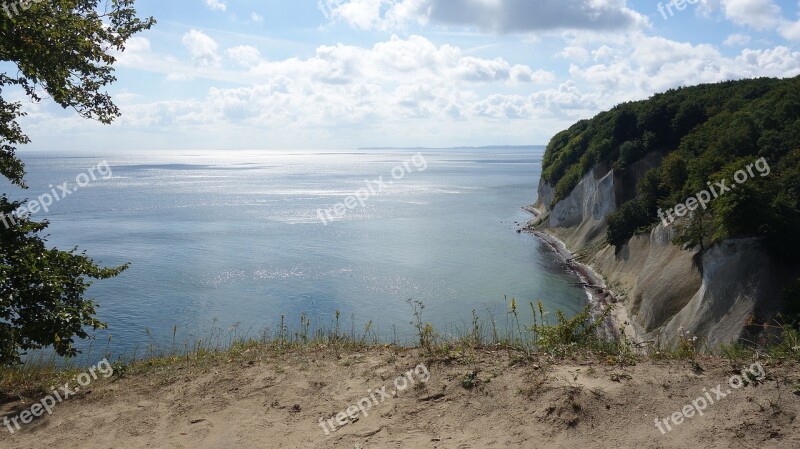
[(666, 289)]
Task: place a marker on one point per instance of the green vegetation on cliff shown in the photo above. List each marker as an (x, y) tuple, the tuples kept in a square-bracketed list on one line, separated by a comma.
[(704, 134)]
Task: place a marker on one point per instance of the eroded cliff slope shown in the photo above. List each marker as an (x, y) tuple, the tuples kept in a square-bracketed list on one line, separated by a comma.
[(631, 192)]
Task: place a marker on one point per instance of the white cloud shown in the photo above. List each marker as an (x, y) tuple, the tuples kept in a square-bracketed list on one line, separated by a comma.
[(496, 16), (202, 48), (414, 60), (779, 61), (405, 78), (361, 14), (736, 40), (757, 14), (377, 90), (412, 78), (256, 18), (137, 44), (706, 8), (656, 64), (216, 5), (125, 96), (760, 15), (524, 74), (790, 30), (603, 53), (574, 53), (475, 69), (348, 94), (245, 55)]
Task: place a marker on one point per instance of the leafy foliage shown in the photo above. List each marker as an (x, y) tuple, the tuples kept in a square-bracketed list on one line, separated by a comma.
[(580, 330), (41, 292), (631, 216), (704, 133), (63, 50)]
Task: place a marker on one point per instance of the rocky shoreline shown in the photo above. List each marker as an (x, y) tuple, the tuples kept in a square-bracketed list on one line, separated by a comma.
[(600, 295)]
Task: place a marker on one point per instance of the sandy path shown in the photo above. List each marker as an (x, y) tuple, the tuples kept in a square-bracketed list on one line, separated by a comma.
[(263, 401)]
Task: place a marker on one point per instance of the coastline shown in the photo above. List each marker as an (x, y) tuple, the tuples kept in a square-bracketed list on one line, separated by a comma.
[(599, 294)]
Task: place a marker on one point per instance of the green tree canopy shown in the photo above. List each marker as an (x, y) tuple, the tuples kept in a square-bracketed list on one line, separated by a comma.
[(704, 133), (62, 50)]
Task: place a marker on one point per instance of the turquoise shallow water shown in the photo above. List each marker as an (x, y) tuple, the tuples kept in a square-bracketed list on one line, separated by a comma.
[(233, 238)]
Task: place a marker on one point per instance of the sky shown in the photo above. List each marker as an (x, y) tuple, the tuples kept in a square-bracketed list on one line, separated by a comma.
[(343, 74)]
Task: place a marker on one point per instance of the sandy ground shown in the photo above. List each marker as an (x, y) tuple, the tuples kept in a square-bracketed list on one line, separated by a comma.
[(260, 400)]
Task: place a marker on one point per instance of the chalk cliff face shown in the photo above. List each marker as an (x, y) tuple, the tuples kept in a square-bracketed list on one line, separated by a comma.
[(667, 290)]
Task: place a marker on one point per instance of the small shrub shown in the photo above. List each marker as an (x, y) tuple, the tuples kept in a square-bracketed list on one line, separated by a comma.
[(578, 331), (470, 380)]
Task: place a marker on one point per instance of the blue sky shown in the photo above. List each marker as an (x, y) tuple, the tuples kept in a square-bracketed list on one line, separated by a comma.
[(340, 74)]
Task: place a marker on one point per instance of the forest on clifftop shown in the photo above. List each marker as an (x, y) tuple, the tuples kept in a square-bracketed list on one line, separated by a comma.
[(705, 134)]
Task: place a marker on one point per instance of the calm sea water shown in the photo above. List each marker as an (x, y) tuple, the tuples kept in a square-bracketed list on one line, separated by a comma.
[(232, 239)]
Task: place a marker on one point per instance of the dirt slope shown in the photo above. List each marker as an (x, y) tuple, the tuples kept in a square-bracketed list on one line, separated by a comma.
[(489, 399)]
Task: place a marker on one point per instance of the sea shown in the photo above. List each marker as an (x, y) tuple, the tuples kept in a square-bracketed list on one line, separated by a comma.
[(235, 243)]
